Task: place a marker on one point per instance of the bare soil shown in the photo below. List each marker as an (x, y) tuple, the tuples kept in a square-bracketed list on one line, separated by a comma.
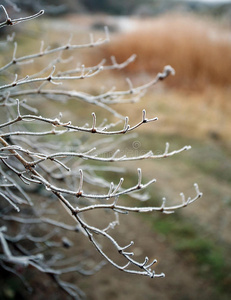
[(181, 281)]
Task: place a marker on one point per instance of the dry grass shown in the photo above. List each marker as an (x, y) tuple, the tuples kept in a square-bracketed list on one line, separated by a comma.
[(199, 50)]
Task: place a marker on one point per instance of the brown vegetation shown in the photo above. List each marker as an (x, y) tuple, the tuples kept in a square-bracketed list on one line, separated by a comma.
[(199, 50)]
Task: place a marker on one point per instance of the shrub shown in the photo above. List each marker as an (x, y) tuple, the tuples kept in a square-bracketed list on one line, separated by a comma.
[(45, 162)]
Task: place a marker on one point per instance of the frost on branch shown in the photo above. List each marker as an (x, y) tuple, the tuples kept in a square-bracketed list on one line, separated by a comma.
[(39, 169)]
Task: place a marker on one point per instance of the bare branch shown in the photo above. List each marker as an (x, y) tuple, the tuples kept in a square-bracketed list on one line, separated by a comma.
[(47, 161), (10, 22)]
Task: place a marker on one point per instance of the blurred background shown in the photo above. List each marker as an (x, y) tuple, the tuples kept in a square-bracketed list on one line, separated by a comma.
[(194, 108)]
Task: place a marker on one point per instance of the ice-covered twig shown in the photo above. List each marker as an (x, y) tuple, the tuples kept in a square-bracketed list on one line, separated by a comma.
[(10, 22)]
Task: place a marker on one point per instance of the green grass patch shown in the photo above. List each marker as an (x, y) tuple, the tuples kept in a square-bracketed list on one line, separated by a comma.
[(195, 247)]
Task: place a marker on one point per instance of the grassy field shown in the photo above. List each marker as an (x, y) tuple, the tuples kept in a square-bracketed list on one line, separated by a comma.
[(194, 109)]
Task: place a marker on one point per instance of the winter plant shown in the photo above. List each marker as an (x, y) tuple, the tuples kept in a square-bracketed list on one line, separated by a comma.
[(38, 171)]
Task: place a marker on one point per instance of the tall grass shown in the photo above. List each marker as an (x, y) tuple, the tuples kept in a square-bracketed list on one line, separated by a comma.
[(199, 50)]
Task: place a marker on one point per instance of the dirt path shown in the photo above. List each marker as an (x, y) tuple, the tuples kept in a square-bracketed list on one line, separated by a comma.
[(181, 281)]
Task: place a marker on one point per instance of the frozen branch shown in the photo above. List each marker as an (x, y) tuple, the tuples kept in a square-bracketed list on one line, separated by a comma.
[(10, 22), (45, 162)]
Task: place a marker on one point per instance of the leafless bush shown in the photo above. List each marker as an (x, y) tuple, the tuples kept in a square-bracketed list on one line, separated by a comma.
[(37, 172)]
